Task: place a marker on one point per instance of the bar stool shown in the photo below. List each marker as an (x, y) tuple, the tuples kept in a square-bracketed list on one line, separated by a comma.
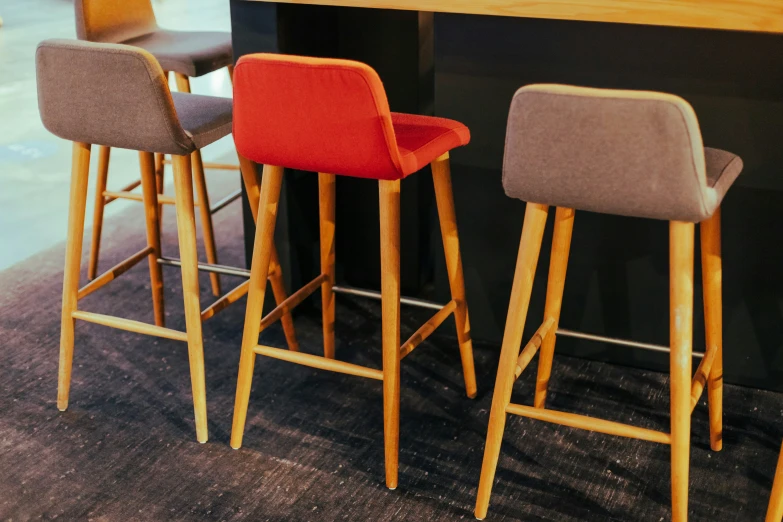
[(116, 95), (626, 153), (185, 53), (332, 117)]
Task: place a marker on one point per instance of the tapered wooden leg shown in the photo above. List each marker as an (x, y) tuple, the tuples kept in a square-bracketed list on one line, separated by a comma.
[(160, 182), (206, 218), (326, 200), (681, 239), (389, 192), (527, 260), (230, 69), (775, 509), (712, 280), (150, 192), (444, 196), (186, 230), (253, 189), (80, 173), (558, 263), (100, 204), (259, 271)]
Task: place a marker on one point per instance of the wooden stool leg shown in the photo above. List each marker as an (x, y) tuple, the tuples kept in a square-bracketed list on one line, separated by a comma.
[(775, 509), (681, 242), (80, 174), (558, 264), (712, 280), (527, 260), (326, 205), (253, 188), (230, 69), (150, 192), (100, 204), (186, 230), (389, 192), (206, 218), (160, 183), (444, 196), (259, 272)]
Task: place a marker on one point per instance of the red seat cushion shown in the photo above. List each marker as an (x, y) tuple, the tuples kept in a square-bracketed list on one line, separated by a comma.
[(328, 115)]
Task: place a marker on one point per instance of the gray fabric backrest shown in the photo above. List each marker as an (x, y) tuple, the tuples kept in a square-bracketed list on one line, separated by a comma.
[(107, 94), (630, 153), (113, 21)]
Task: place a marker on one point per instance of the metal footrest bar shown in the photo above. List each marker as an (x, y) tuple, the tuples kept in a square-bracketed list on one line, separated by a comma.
[(206, 267), (427, 328), (225, 201), (113, 273), (531, 349), (621, 342), (589, 423), (322, 363), (130, 325), (372, 294)]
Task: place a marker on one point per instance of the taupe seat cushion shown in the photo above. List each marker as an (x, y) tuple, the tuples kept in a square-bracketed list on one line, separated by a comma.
[(631, 153), (117, 95), (192, 53)]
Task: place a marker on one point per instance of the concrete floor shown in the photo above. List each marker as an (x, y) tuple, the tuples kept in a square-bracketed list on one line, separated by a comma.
[(35, 165)]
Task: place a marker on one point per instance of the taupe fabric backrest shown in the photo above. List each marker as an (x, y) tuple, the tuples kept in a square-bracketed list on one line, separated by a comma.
[(113, 21), (630, 153), (107, 94)]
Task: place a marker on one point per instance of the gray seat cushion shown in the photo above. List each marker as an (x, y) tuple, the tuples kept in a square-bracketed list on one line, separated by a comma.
[(192, 53), (205, 118)]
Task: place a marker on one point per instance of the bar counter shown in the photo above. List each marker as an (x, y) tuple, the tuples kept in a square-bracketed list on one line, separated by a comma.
[(464, 60)]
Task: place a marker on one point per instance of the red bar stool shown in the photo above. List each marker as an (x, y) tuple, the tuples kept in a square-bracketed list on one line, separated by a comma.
[(332, 117)]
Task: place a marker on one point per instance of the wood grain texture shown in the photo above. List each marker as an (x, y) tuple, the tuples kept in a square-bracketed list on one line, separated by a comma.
[(736, 15)]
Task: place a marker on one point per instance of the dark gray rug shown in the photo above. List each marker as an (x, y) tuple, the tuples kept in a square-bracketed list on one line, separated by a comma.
[(313, 450)]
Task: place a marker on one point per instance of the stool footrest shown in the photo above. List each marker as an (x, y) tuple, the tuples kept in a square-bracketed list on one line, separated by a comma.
[(427, 328), (621, 342), (316, 361), (126, 188), (130, 325), (531, 348), (225, 201), (292, 301), (589, 423), (374, 294), (113, 273), (162, 199), (207, 267), (700, 377), (227, 299), (214, 166)]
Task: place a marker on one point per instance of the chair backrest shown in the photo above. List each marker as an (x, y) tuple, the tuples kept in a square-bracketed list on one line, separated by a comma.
[(631, 153), (321, 115), (113, 21), (107, 94)]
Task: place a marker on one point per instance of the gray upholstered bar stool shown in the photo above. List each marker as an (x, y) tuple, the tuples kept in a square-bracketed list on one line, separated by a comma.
[(626, 153), (116, 96), (188, 54)]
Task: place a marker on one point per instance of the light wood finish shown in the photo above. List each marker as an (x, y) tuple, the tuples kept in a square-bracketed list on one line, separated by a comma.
[(700, 377), (127, 188), (532, 346), (231, 297), (558, 265), (80, 172), (262, 253), (253, 188), (97, 216), (230, 69), (292, 302), (681, 244), (322, 363), (389, 197), (326, 210), (186, 230), (162, 199), (527, 260), (427, 329), (114, 272), (712, 281), (444, 196), (775, 508), (740, 15), (589, 423), (130, 325), (213, 166), (151, 209)]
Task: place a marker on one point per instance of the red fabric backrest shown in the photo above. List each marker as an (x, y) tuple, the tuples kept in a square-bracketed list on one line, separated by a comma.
[(314, 114)]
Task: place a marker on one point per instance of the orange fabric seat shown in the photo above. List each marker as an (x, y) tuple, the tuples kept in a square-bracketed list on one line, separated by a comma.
[(332, 116)]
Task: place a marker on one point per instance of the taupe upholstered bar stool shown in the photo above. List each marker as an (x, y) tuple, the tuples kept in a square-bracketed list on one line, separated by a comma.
[(626, 153), (116, 96), (187, 54)]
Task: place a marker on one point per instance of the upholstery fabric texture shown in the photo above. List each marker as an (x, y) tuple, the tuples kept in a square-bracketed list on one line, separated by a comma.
[(631, 153), (132, 22), (116, 95), (328, 115)]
